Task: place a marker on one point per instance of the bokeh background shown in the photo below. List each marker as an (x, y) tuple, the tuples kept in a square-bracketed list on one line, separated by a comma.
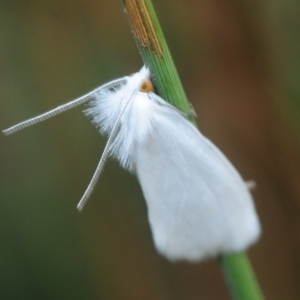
[(240, 65)]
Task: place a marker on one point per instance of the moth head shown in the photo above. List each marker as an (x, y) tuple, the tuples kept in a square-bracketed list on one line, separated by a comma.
[(142, 79), (146, 86)]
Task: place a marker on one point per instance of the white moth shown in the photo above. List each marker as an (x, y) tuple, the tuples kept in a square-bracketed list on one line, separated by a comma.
[(198, 204)]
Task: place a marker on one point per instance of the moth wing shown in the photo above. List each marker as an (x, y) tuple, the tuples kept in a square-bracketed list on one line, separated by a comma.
[(198, 204)]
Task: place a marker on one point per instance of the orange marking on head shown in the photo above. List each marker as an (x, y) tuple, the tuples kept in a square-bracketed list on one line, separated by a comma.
[(147, 87)]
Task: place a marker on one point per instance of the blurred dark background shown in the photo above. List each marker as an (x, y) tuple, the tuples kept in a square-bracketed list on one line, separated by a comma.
[(239, 63)]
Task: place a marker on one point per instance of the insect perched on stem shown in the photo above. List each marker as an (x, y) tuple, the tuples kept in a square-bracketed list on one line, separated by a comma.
[(198, 204)]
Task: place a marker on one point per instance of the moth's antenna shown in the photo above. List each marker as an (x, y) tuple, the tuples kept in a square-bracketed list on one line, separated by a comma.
[(62, 108), (103, 159)]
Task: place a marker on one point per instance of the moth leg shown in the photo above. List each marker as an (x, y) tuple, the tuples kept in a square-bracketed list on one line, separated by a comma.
[(192, 113), (251, 185), (162, 102)]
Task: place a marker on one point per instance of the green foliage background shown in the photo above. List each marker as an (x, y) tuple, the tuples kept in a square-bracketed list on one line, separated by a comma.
[(239, 63)]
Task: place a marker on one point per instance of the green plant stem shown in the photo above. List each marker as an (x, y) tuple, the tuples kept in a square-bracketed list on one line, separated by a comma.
[(156, 55), (240, 277), (155, 52)]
